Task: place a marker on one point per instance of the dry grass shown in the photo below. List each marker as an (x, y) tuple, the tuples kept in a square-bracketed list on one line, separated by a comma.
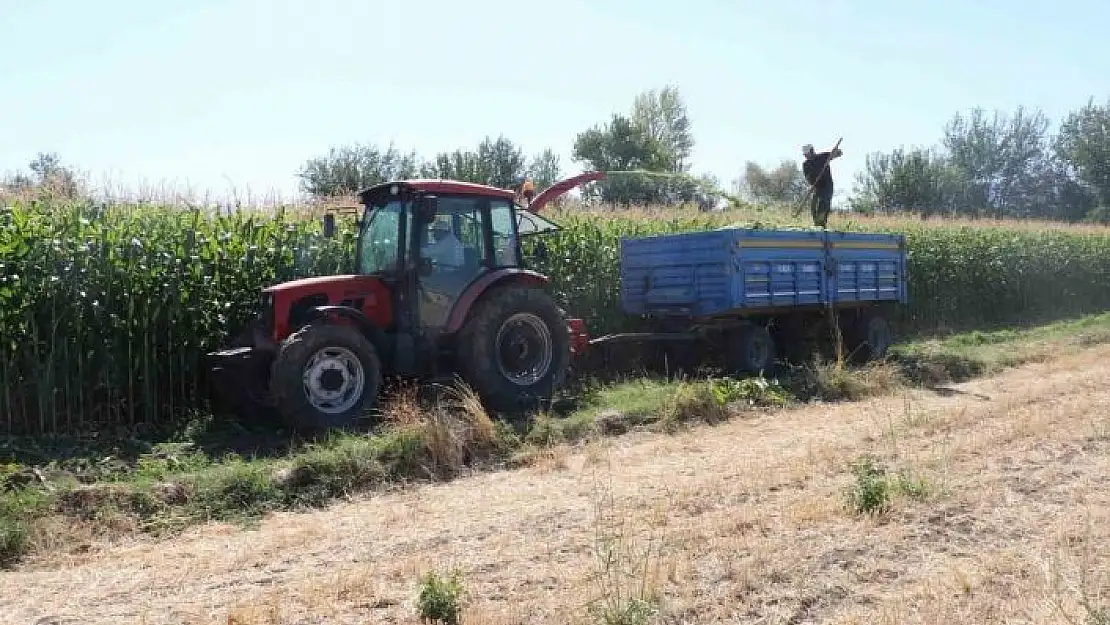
[(833, 381), (452, 433), (744, 521)]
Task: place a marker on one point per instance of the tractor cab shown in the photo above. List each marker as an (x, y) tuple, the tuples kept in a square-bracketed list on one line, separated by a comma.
[(459, 221), (438, 289), (436, 244)]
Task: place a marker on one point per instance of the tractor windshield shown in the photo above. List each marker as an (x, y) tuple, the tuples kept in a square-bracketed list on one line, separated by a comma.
[(378, 240)]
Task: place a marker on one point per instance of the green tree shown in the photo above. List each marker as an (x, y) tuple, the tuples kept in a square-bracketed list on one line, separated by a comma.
[(502, 162), (1083, 145), (662, 114), (783, 183), (917, 180), (497, 162), (1004, 158), (1060, 196), (47, 174), (545, 169), (351, 168), (1004, 165), (458, 165), (646, 153), (620, 146)]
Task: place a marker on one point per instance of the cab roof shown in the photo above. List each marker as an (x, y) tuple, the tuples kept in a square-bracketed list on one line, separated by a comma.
[(431, 185)]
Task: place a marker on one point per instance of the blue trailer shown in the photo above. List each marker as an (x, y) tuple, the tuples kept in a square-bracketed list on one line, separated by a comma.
[(755, 292)]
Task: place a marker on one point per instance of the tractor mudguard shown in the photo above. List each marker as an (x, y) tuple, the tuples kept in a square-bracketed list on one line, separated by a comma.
[(462, 306), (353, 314), (369, 329)]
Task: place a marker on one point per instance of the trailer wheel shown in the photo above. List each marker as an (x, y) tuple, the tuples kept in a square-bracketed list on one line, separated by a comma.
[(515, 348), (793, 338), (324, 376), (750, 349), (871, 338)]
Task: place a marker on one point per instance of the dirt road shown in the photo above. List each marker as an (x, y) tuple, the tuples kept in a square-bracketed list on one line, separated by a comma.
[(744, 522)]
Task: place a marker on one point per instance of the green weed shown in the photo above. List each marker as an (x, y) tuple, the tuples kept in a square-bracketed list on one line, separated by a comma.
[(913, 486), (234, 490), (13, 540), (754, 391), (690, 402), (870, 494), (440, 599)]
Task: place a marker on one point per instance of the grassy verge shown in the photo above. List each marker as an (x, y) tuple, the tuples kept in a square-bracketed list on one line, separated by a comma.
[(114, 489), (962, 356)]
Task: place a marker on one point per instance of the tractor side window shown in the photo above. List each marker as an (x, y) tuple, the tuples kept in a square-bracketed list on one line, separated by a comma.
[(379, 240), (504, 239)]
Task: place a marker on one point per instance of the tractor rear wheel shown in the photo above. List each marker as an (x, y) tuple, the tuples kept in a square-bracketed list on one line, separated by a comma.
[(325, 376), (515, 348)]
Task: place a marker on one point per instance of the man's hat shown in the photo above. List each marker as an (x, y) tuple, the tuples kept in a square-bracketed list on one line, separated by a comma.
[(807, 148)]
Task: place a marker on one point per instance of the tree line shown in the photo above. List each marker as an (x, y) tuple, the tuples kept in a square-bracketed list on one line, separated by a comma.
[(498, 162), (650, 146), (986, 164)]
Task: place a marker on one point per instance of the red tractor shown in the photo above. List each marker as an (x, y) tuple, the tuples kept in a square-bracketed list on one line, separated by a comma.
[(440, 288)]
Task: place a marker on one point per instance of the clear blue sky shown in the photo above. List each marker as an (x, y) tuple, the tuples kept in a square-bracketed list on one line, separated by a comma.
[(219, 92)]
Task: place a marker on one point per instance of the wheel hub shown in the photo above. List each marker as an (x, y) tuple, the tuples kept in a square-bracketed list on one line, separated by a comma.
[(524, 349), (333, 380)]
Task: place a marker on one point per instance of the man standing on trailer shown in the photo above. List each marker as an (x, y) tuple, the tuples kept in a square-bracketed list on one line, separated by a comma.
[(818, 172)]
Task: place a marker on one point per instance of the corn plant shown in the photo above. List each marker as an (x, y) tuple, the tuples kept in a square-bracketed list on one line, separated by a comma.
[(106, 310)]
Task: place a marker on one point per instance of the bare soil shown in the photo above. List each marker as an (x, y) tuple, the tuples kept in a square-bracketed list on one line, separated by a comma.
[(740, 522)]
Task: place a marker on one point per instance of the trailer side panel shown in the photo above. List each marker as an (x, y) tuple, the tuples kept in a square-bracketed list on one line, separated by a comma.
[(676, 275), (736, 271), (778, 268), (867, 267)]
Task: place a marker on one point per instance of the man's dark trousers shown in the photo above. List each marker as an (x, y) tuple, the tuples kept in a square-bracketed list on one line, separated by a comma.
[(820, 205)]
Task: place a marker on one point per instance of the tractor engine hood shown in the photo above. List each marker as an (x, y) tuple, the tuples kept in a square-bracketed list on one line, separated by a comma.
[(367, 295)]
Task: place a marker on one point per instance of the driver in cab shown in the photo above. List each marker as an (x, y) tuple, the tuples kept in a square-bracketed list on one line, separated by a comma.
[(444, 249)]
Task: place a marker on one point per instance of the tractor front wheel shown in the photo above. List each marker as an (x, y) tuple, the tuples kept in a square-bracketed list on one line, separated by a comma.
[(515, 349), (325, 376)]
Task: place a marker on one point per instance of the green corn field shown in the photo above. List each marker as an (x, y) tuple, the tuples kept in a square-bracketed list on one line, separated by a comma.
[(106, 311)]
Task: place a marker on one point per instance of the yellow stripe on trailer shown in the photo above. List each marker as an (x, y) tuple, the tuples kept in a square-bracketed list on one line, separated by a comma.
[(812, 245), (866, 245)]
